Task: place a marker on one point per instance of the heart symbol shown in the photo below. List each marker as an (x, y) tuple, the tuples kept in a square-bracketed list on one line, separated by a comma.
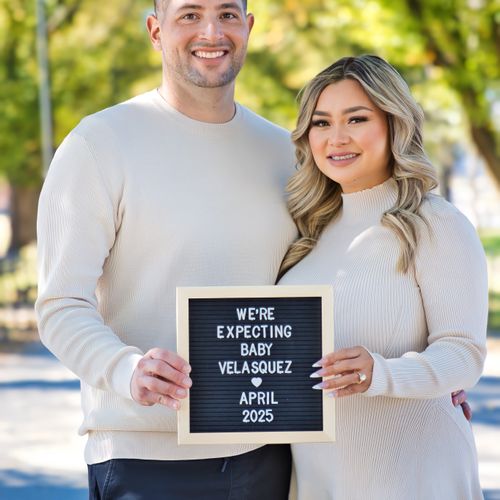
[(256, 381)]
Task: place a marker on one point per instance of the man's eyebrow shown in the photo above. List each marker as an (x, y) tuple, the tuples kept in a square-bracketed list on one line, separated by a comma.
[(344, 111), (195, 6), (230, 5), (190, 6)]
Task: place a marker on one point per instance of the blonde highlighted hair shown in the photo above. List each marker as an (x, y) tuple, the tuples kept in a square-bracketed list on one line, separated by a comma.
[(315, 200)]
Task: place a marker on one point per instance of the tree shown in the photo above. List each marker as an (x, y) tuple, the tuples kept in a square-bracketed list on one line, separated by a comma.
[(98, 53), (448, 50), (463, 38)]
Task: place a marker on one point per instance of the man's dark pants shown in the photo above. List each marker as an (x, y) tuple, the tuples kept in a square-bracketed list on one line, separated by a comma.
[(263, 474)]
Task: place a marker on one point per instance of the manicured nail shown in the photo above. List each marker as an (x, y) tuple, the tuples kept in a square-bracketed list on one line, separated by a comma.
[(180, 392), (332, 394), (321, 385), (186, 369), (187, 382), (315, 374), (175, 405), (317, 364)]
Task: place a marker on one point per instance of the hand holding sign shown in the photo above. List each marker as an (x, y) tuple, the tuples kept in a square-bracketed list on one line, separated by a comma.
[(161, 376), (351, 368)]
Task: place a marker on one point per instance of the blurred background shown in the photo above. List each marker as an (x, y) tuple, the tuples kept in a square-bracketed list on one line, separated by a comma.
[(63, 59)]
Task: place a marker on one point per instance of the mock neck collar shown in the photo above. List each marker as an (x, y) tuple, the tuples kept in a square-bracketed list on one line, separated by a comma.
[(369, 203)]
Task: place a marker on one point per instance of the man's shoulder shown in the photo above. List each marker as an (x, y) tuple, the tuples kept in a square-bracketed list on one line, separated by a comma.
[(120, 113), (260, 123)]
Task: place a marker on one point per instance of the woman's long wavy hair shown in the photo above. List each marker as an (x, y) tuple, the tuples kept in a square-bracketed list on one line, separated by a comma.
[(315, 200)]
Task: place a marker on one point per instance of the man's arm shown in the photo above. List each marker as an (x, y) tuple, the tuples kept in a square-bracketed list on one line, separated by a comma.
[(78, 218)]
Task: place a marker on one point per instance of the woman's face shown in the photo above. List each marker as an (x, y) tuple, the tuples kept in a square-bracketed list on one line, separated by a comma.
[(349, 137)]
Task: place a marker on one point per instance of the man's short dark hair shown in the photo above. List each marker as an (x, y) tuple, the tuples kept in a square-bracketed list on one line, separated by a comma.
[(158, 3)]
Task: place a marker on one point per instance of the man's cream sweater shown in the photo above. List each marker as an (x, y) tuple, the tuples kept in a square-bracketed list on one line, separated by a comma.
[(141, 199)]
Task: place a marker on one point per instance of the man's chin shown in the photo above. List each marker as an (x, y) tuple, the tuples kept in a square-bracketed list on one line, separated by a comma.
[(213, 82)]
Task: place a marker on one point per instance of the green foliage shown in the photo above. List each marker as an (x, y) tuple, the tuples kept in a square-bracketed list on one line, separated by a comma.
[(491, 244), (18, 278), (100, 54), (494, 313), (447, 51)]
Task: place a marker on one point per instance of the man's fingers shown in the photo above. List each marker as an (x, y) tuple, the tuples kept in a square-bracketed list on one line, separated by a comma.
[(152, 391), (164, 400), (159, 386), (161, 377), (458, 397), (170, 358), (467, 410), (160, 368)]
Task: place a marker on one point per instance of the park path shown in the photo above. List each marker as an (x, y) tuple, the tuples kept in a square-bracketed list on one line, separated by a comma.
[(41, 454)]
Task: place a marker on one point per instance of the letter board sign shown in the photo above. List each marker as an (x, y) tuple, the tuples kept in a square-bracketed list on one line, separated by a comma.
[(251, 350)]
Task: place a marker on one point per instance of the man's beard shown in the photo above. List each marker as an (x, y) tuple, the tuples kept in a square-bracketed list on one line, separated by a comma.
[(190, 74), (200, 80)]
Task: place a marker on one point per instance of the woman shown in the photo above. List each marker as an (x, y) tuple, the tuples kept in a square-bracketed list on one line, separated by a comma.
[(410, 293)]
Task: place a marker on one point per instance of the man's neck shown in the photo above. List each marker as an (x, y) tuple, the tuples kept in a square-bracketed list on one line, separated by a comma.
[(204, 104)]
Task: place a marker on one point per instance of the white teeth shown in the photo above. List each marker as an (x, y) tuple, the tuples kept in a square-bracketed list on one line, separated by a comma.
[(209, 55), (345, 157)]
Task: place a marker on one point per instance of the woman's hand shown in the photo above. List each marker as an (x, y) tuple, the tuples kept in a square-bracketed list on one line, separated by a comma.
[(350, 370)]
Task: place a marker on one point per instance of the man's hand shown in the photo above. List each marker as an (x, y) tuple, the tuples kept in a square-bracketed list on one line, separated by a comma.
[(460, 398), (162, 377)]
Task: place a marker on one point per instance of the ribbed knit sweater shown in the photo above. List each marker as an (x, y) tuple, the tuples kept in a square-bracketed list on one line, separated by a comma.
[(426, 330), (141, 199)]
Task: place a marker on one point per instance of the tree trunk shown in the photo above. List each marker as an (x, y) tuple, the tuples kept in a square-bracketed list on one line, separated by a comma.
[(23, 207), (486, 145)]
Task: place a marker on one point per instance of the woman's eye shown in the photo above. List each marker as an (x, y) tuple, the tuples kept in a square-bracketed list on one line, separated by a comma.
[(358, 119), (319, 123)]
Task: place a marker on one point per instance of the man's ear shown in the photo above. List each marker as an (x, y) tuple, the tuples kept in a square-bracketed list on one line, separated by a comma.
[(250, 21), (153, 27)]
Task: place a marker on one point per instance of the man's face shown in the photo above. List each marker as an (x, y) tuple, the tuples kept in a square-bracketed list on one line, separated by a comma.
[(203, 42)]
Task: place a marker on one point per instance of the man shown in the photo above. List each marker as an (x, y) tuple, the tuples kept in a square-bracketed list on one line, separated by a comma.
[(179, 186)]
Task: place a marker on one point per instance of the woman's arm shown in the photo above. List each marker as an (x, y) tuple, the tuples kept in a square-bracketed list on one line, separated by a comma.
[(450, 270)]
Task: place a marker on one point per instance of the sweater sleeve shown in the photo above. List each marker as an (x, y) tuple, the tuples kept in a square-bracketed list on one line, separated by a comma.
[(77, 223), (450, 270)]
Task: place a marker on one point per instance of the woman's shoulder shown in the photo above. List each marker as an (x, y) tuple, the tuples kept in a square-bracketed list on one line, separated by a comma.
[(446, 223), (436, 210)]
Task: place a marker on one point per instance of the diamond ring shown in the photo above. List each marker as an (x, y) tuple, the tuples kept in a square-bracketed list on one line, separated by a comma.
[(361, 377)]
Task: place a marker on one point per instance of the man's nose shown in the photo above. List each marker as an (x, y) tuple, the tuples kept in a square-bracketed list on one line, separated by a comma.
[(212, 31)]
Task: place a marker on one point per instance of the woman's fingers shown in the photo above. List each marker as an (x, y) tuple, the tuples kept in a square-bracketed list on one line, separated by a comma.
[(345, 372)]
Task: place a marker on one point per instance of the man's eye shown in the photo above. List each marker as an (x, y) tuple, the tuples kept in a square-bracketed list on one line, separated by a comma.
[(228, 15), (189, 17)]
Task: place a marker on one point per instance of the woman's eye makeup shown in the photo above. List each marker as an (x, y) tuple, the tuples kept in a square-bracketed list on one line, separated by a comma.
[(319, 123), (351, 120), (357, 119)]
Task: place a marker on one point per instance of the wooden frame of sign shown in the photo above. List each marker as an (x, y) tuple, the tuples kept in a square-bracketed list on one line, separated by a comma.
[(251, 350)]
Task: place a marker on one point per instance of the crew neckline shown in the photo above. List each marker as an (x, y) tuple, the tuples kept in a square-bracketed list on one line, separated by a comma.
[(191, 123)]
